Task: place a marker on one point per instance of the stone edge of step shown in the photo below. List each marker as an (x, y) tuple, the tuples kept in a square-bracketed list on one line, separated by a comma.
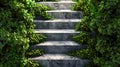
[(55, 57), (58, 43), (65, 11), (57, 2), (56, 31), (58, 20)]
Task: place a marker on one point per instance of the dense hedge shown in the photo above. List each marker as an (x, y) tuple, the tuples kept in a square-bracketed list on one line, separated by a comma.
[(100, 31), (17, 31)]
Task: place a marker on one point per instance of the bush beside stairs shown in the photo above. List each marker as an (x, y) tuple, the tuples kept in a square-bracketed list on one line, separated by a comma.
[(59, 34)]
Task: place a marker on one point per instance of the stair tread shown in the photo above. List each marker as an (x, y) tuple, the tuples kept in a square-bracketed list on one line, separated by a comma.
[(56, 24), (65, 0), (59, 5), (65, 14), (56, 31), (59, 2), (55, 57), (58, 43), (59, 20), (63, 11)]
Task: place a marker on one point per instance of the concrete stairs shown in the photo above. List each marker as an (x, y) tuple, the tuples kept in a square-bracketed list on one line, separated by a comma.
[(59, 34)]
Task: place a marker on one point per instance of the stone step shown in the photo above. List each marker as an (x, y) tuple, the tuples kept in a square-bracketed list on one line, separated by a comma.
[(66, 0), (61, 47), (58, 34), (60, 60), (65, 14), (56, 24), (60, 5)]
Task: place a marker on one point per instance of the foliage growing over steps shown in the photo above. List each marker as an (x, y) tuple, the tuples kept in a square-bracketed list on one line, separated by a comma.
[(35, 39), (33, 64), (100, 30), (17, 30), (34, 52)]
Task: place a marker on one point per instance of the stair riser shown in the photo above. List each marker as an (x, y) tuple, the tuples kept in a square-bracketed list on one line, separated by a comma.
[(66, 15), (58, 6), (58, 49), (63, 63), (59, 36), (55, 25)]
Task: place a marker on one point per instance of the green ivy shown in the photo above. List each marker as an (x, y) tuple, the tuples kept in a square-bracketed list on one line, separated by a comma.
[(34, 52), (100, 28), (17, 31), (44, 0), (33, 64), (36, 38)]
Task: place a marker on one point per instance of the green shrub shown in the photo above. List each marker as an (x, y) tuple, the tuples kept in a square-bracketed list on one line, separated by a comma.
[(17, 30), (36, 38), (100, 28), (34, 53), (33, 64), (39, 11)]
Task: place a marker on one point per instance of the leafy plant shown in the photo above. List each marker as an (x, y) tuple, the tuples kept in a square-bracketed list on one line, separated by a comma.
[(33, 64), (36, 38), (34, 52), (100, 28), (17, 30)]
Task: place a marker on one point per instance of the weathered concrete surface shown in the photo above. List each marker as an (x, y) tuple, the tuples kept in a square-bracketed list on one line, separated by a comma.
[(56, 24), (60, 60), (65, 14), (60, 5), (61, 47), (58, 34)]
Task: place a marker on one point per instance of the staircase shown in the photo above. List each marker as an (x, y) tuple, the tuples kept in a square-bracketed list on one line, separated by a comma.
[(59, 34)]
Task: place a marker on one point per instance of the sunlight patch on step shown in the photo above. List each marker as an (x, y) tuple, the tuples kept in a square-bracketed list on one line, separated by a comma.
[(55, 31), (55, 57), (59, 20), (58, 43)]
